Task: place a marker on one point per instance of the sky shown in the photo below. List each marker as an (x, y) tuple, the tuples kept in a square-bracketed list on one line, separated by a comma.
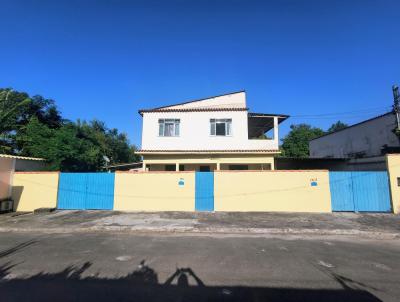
[(318, 61)]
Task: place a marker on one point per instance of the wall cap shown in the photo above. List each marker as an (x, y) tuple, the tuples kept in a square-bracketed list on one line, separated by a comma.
[(236, 171), (37, 172)]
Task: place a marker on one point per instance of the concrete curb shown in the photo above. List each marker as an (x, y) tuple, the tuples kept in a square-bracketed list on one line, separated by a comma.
[(207, 231)]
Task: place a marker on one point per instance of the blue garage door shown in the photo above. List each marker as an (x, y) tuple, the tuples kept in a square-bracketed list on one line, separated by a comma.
[(204, 195), (360, 191), (86, 191)]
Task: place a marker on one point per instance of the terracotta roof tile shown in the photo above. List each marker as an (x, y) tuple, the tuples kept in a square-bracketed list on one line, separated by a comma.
[(210, 151), (191, 110)]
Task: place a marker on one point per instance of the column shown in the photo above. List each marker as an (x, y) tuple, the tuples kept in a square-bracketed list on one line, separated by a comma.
[(177, 167), (276, 132), (144, 166), (218, 166)]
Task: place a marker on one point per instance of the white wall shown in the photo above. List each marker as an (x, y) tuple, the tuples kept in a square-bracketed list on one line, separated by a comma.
[(234, 100), (368, 137), (195, 132)]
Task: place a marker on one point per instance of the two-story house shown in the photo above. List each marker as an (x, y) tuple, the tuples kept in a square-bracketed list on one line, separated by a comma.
[(215, 133)]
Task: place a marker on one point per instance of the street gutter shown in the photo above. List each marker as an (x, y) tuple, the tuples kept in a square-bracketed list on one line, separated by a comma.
[(254, 232)]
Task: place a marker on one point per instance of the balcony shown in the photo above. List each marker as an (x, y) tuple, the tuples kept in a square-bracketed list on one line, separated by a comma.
[(263, 130)]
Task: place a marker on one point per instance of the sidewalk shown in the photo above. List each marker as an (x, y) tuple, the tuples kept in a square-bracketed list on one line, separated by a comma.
[(369, 225)]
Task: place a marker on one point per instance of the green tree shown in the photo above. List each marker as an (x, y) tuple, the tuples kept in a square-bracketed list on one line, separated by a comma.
[(295, 143), (10, 110), (16, 110), (33, 126), (80, 146), (337, 126)]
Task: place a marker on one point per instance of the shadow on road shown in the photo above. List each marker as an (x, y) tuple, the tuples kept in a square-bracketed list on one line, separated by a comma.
[(74, 284), (142, 284)]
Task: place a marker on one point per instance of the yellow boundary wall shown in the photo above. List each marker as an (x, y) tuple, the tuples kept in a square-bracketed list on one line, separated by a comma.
[(154, 191), (290, 191), (287, 191), (33, 190)]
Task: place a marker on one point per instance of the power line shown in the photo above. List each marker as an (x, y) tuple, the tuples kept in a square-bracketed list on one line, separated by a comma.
[(337, 114), (349, 116)]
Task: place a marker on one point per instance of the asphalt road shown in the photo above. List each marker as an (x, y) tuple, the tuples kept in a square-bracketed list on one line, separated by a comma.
[(126, 267)]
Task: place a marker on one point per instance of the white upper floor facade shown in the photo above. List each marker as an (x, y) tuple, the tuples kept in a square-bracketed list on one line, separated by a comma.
[(222, 123)]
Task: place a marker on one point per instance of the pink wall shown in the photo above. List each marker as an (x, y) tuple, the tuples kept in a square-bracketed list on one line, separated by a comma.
[(6, 170)]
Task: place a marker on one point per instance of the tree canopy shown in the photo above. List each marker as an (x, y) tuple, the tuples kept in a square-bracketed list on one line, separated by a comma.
[(33, 126), (337, 126), (296, 142)]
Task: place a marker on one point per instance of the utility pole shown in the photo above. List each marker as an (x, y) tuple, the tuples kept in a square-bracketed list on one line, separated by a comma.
[(396, 105)]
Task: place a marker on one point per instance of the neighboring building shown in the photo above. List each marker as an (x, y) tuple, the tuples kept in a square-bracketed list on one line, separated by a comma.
[(364, 143), (216, 133), (366, 139), (11, 163)]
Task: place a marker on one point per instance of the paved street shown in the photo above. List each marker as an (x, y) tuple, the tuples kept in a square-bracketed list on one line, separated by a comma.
[(126, 267)]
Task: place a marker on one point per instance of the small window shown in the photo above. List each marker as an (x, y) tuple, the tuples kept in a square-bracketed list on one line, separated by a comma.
[(168, 127), (221, 127), (170, 167), (238, 167)]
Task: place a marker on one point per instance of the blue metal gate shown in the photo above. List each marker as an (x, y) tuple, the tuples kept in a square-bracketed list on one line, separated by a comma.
[(360, 191), (204, 192), (86, 191), (341, 191)]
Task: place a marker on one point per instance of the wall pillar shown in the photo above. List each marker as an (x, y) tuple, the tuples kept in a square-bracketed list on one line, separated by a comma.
[(218, 166), (144, 166), (10, 187), (276, 131), (393, 168), (177, 167)]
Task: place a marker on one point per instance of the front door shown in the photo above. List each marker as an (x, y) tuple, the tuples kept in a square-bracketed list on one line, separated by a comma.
[(204, 191)]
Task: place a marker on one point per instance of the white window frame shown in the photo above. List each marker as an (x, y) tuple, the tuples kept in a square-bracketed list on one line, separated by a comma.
[(228, 126), (175, 127)]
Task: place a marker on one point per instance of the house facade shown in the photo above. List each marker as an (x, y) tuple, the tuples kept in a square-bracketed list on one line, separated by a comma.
[(216, 133)]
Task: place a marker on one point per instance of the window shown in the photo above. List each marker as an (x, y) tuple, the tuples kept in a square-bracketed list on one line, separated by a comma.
[(168, 127), (221, 127), (238, 167), (170, 167)]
